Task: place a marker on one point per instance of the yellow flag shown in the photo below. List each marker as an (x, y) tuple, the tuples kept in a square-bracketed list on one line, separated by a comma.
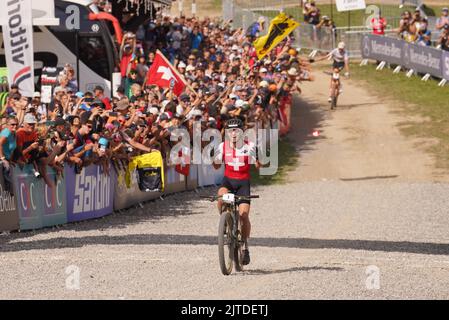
[(280, 28)]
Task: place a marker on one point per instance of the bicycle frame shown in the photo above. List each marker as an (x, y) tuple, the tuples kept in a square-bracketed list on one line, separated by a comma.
[(235, 218)]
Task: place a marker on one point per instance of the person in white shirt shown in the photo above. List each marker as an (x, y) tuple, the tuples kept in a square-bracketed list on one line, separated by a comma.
[(41, 108)]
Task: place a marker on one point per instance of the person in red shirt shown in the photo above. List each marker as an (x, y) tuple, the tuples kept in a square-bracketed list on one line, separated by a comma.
[(99, 94), (379, 24), (27, 139), (237, 161), (32, 149)]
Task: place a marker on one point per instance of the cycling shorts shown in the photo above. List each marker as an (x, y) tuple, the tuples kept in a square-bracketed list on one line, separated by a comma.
[(339, 65), (239, 188)]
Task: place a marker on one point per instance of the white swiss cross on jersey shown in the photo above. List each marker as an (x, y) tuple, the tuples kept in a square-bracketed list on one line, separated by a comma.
[(237, 161)]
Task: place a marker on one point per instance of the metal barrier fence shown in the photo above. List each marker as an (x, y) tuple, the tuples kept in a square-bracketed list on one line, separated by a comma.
[(308, 36), (413, 57)]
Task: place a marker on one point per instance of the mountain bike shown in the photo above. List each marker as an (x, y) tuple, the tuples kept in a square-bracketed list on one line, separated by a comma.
[(230, 241)]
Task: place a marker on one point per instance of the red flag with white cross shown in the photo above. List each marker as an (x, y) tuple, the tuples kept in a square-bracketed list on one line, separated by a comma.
[(164, 75)]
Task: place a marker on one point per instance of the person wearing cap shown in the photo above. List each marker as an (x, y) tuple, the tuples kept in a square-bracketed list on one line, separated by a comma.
[(182, 67), (99, 95), (190, 68), (103, 145), (234, 53), (126, 57), (263, 72), (122, 106), (27, 138), (340, 61), (443, 40), (340, 58), (263, 84), (443, 20)]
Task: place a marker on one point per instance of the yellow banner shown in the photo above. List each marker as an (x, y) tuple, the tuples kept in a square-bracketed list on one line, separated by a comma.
[(280, 28)]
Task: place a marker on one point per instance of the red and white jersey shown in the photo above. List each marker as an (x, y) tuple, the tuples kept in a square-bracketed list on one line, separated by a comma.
[(237, 161)]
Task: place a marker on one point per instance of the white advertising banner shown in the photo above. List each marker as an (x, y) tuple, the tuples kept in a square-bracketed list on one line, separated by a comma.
[(348, 5), (16, 18)]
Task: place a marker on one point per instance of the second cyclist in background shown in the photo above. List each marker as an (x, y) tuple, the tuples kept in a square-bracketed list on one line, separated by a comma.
[(340, 59)]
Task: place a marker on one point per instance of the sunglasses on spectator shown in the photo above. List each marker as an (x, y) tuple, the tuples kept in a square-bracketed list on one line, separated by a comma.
[(13, 124)]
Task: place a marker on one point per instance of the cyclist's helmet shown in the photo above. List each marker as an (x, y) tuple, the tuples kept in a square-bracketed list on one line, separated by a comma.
[(234, 124)]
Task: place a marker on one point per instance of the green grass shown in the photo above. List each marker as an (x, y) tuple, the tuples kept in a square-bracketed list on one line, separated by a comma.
[(414, 97), (354, 18), (288, 160)]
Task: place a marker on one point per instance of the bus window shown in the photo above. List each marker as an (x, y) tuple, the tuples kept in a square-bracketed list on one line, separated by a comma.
[(93, 53)]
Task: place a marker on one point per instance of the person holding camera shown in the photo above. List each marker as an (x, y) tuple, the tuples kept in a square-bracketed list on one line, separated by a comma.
[(406, 29)]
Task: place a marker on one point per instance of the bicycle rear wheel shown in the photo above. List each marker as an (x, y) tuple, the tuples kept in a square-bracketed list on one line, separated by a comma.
[(225, 243)]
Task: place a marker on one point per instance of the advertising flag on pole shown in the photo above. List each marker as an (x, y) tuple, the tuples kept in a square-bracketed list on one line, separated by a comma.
[(16, 19), (280, 28)]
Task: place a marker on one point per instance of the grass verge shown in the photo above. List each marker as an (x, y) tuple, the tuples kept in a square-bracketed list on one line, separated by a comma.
[(288, 160), (417, 100)]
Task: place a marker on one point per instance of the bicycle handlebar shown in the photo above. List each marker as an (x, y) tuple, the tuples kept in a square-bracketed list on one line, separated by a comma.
[(237, 198)]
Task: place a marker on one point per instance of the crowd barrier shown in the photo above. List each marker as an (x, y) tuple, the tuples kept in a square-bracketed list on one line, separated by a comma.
[(421, 59), (30, 204)]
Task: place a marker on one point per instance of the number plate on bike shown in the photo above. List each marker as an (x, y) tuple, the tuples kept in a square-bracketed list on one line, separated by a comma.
[(229, 198)]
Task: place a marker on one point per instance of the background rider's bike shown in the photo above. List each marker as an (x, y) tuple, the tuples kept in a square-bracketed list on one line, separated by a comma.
[(335, 88), (230, 241)]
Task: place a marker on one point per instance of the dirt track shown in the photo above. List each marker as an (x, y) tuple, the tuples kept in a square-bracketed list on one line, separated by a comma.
[(362, 199)]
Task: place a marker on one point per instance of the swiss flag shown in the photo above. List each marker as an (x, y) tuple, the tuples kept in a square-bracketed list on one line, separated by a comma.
[(184, 167), (164, 75)]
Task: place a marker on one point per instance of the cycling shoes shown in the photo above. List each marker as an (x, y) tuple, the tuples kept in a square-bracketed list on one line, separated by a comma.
[(246, 258)]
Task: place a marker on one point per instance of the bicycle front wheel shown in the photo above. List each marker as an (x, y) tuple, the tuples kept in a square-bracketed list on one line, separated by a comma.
[(334, 102), (238, 250), (225, 243)]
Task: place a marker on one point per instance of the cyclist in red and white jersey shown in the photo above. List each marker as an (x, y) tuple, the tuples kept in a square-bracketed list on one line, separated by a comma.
[(237, 156)]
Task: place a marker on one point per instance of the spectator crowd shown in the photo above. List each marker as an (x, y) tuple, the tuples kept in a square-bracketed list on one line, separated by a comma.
[(225, 80)]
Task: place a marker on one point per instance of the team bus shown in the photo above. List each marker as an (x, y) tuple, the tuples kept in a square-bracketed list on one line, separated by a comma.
[(91, 49)]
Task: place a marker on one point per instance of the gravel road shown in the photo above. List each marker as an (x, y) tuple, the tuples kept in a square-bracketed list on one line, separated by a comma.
[(326, 234)]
